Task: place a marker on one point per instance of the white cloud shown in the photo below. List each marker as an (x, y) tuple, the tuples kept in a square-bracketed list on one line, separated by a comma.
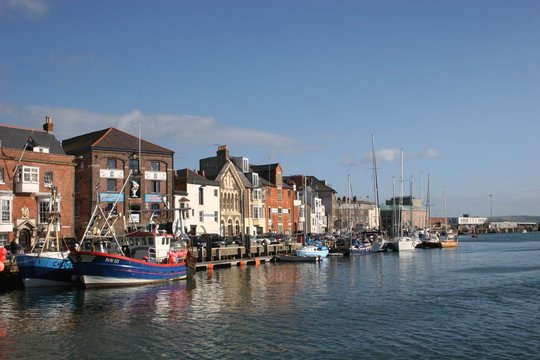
[(391, 155), (25, 8), (161, 129)]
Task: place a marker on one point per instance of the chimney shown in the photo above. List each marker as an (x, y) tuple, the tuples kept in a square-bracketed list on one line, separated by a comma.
[(223, 152), (48, 126)]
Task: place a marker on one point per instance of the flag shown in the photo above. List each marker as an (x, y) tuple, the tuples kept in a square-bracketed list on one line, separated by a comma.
[(30, 143)]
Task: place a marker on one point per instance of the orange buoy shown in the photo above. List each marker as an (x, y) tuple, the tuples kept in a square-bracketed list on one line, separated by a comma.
[(257, 261), (210, 267), (2, 266)]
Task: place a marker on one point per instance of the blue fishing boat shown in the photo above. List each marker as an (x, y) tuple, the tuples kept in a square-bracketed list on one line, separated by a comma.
[(96, 268), (145, 256), (46, 264)]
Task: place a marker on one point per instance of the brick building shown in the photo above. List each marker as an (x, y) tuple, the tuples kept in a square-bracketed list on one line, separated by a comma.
[(32, 162), (281, 214), (105, 158)]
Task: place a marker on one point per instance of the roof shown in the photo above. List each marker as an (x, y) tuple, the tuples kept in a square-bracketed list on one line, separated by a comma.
[(111, 139), (191, 177), (16, 138)]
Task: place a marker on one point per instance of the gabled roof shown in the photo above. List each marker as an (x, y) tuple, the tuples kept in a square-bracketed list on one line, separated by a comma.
[(191, 177), (16, 138), (110, 139), (318, 185)]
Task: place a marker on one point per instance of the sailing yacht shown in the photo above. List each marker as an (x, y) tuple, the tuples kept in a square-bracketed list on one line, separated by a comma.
[(401, 242), (379, 244)]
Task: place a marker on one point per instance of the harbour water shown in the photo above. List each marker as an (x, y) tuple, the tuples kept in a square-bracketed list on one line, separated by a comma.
[(479, 301)]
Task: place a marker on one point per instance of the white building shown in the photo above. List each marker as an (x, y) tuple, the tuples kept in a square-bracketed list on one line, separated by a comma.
[(202, 197), (467, 221)]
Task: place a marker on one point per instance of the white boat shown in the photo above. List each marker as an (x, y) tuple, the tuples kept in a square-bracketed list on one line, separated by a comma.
[(406, 243), (313, 250), (400, 242)]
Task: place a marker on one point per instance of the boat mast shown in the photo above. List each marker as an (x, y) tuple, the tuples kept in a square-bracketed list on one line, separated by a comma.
[(349, 209), (401, 197), (445, 215), (428, 203), (375, 183)]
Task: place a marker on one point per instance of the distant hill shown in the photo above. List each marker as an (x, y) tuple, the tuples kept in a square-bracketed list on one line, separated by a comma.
[(518, 218)]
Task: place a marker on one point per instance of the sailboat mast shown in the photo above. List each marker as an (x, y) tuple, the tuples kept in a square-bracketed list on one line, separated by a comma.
[(428, 203), (401, 197), (445, 215), (375, 183)]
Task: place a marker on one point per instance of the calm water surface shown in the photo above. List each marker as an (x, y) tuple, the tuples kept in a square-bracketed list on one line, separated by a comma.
[(480, 301)]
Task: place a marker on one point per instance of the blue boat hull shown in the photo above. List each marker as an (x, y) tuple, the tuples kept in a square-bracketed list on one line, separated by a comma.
[(102, 269), (46, 269)]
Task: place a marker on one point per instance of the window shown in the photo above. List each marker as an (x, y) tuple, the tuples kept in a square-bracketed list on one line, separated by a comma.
[(3, 239), (201, 216), (45, 206), (279, 195), (201, 195), (135, 213), (154, 165), (257, 194), (255, 179), (111, 164), (30, 174), (257, 212), (134, 165), (155, 206), (5, 211), (245, 165), (48, 179), (216, 216), (155, 186), (216, 192), (110, 208), (111, 184), (1, 175)]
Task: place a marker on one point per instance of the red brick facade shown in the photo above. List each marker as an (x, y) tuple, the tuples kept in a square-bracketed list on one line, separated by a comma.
[(25, 224)]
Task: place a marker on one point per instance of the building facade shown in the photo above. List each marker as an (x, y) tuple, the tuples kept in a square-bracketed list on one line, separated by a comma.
[(234, 190), (114, 166), (409, 210), (33, 165), (202, 197), (281, 217), (356, 214)]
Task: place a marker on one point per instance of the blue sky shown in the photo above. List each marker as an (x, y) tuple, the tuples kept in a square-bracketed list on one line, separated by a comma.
[(456, 84)]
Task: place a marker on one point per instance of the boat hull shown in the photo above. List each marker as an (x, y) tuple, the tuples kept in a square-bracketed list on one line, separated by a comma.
[(362, 250), (405, 244), (296, 258), (46, 269), (96, 269), (312, 252), (449, 244)]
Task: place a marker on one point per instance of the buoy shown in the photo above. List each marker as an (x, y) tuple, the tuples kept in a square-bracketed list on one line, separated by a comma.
[(257, 261), (210, 267), (172, 258), (2, 266), (243, 263)]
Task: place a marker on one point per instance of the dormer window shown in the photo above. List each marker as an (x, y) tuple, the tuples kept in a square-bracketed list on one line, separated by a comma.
[(255, 179), (245, 165), (41, 149)]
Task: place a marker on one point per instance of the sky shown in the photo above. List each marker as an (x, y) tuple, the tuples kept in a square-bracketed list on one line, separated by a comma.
[(307, 84)]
